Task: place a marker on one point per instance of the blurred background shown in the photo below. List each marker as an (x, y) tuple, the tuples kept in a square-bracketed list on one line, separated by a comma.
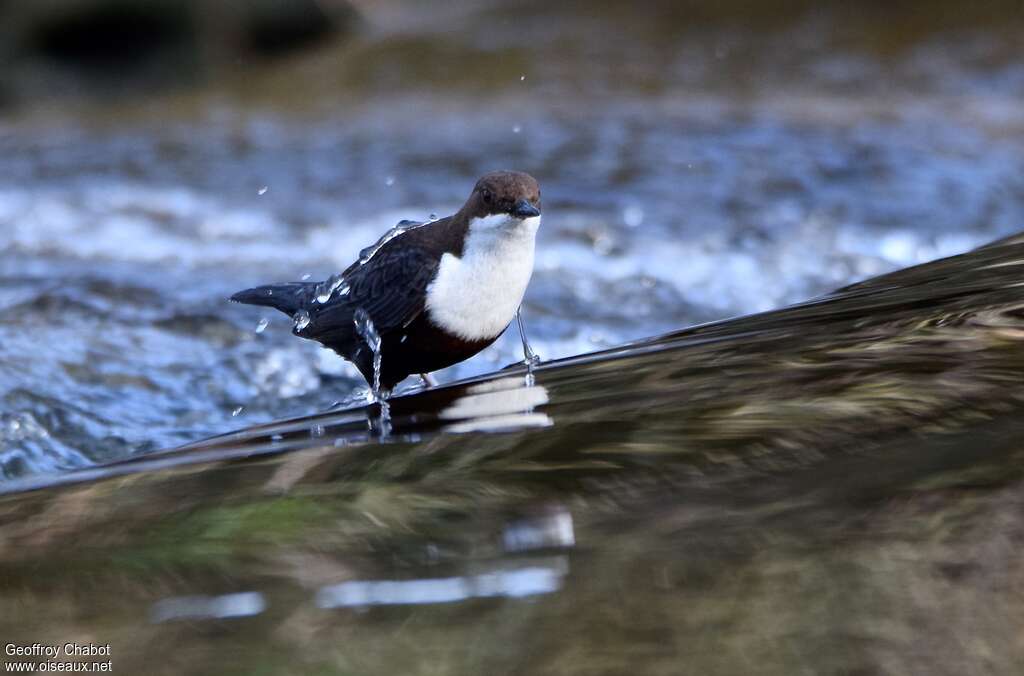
[(698, 160)]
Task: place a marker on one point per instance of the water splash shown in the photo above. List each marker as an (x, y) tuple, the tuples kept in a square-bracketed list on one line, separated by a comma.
[(262, 325), (401, 228), (262, 191), (301, 319), (326, 289), (368, 332)]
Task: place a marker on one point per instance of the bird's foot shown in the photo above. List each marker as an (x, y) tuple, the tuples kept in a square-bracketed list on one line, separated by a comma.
[(530, 358), (530, 363)]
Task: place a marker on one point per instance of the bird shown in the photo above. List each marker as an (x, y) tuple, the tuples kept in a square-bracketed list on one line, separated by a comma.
[(427, 294)]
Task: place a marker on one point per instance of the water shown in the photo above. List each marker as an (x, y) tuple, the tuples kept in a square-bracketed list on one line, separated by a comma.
[(745, 167), (834, 488), (301, 320), (404, 225), (741, 497), (379, 395), (333, 284)]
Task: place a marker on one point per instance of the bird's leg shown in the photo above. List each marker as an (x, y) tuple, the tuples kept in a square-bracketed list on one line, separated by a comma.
[(529, 358), (428, 380)]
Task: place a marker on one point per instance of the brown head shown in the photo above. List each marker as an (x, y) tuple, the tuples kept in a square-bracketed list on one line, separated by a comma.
[(504, 193)]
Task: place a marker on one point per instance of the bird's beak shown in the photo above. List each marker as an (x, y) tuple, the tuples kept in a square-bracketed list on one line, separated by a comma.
[(523, 209)]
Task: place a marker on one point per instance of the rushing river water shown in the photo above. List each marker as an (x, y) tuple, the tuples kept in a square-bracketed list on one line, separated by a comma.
[(688, 174)]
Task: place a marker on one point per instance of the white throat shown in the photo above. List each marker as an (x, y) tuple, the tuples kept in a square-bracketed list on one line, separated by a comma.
[(476, 296)]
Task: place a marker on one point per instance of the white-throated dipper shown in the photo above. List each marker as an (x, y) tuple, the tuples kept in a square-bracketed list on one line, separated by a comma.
[(426, 295)]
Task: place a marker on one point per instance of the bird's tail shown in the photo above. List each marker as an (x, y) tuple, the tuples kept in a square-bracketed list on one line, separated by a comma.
[(288, 298)]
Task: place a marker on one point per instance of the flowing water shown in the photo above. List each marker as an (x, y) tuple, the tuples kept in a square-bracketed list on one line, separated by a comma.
[(692, 168), (830, 488)]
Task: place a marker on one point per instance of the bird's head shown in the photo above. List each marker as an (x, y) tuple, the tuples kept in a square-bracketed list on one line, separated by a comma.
[(503, 199)]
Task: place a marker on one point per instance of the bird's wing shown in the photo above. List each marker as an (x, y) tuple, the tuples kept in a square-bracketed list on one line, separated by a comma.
[(390, 287)]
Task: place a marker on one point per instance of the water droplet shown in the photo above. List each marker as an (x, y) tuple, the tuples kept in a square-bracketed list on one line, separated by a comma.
[(516, 129), (263, 190), (262, 325), (522, 78), (368, 332), (335, 283), (301, 319), (389, 181), (633, 215), (366, 329), (603, 244), (306, 276), (366, 254), (237, 411)]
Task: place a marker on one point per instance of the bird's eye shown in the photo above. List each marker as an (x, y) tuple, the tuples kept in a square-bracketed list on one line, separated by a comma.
[(486, 194)]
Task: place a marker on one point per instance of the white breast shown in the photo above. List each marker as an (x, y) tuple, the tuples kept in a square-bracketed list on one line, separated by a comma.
[(476, 296)]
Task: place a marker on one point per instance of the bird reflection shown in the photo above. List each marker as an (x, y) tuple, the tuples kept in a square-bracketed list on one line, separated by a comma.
[(541, 577), (497, 405), (552, 528), (225, 606)]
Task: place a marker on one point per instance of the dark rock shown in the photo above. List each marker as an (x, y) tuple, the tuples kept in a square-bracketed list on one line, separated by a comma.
[(81, 46)]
